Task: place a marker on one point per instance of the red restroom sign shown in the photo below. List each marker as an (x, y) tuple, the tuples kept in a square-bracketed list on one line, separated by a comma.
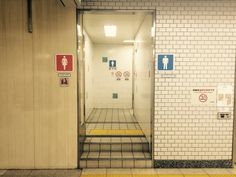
[(64, 63)]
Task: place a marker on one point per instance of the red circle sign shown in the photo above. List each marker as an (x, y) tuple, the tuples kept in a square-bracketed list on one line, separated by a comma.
[(203, 98)]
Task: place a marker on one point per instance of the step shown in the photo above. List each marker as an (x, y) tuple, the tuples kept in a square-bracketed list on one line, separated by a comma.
[(116, 144), (115, 164), (115, 160)]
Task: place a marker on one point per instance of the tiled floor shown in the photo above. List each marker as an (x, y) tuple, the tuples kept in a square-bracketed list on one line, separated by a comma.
[(114, 139), (111, 116), (159, 173)]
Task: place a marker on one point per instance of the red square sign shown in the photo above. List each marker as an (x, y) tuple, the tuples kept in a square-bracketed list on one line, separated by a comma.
[(64, 63)]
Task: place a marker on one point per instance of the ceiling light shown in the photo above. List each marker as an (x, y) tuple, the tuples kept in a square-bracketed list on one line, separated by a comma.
[(110, 30)]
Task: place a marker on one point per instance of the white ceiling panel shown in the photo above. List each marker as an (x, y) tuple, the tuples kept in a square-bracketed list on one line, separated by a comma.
[(127, 26)]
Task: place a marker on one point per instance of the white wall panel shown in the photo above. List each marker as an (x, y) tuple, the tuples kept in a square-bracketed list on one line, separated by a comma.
[(105, 82)]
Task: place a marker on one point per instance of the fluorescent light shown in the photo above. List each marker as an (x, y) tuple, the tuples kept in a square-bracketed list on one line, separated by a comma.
[(110, 30)]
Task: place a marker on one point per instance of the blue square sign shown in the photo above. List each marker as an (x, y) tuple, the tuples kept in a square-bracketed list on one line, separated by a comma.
[(165, 62)]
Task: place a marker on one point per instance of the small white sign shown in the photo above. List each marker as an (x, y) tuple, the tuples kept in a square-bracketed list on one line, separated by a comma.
[(64, 74), (203, 96), (225, 95)]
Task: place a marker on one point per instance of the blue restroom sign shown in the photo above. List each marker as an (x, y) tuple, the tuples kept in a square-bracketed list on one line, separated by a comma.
[(112, 64), (165, 62)]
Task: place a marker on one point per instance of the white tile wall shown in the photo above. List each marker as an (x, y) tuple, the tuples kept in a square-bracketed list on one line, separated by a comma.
[(105, 83), (202, 36)]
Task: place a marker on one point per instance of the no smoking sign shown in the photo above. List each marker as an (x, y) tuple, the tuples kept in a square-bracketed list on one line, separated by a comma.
[(203, 96)]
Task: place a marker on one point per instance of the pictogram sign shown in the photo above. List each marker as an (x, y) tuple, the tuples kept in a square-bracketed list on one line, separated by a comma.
[(126, 75), (203, 98), (165, 62), (112, 64), (64, 81), (118, 75), (64, 63)]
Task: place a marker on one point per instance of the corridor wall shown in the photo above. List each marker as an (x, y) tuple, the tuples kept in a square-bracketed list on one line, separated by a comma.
[(38, 122)]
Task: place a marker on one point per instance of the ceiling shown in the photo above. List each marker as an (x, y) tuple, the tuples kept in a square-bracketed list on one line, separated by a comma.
[(127, 26)]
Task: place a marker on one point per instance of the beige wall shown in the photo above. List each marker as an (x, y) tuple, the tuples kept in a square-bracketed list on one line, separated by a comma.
[(38, 118)]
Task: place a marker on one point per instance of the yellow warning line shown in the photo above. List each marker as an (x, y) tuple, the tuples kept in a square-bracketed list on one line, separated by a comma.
[(158, 175), (115, 132)]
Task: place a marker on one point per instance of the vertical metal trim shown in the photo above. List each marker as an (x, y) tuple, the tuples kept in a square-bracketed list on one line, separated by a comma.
[(153, 89), (234, 122), (29, 16)]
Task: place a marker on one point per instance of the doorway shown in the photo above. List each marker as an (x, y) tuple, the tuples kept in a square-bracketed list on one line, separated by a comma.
[(116, 88)]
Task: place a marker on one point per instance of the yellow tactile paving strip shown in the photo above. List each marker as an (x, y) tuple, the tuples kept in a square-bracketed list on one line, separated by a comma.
[(158, 175), (115, 132)]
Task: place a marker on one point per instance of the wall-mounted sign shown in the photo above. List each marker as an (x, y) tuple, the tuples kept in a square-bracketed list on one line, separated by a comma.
[(64, 63), (118, 75), (225, 95), (104, 59), (115, 95), (64, 74), (126, 75), (165, 62), (64, 81), (112, 64), (203, 96)]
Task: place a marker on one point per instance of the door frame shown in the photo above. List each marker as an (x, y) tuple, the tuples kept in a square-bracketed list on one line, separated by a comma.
[(81, 84)]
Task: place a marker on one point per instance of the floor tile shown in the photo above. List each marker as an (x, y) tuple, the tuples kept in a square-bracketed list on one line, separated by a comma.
[(216, 171), (222, 175), (196, 175), (168, 171), (192, 171), (119, 175), (232, 170), (93, 175), (116, 163), (145, 175), (116, 154), (170, 175), (143, 171), (94, 171), (119, 171)]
